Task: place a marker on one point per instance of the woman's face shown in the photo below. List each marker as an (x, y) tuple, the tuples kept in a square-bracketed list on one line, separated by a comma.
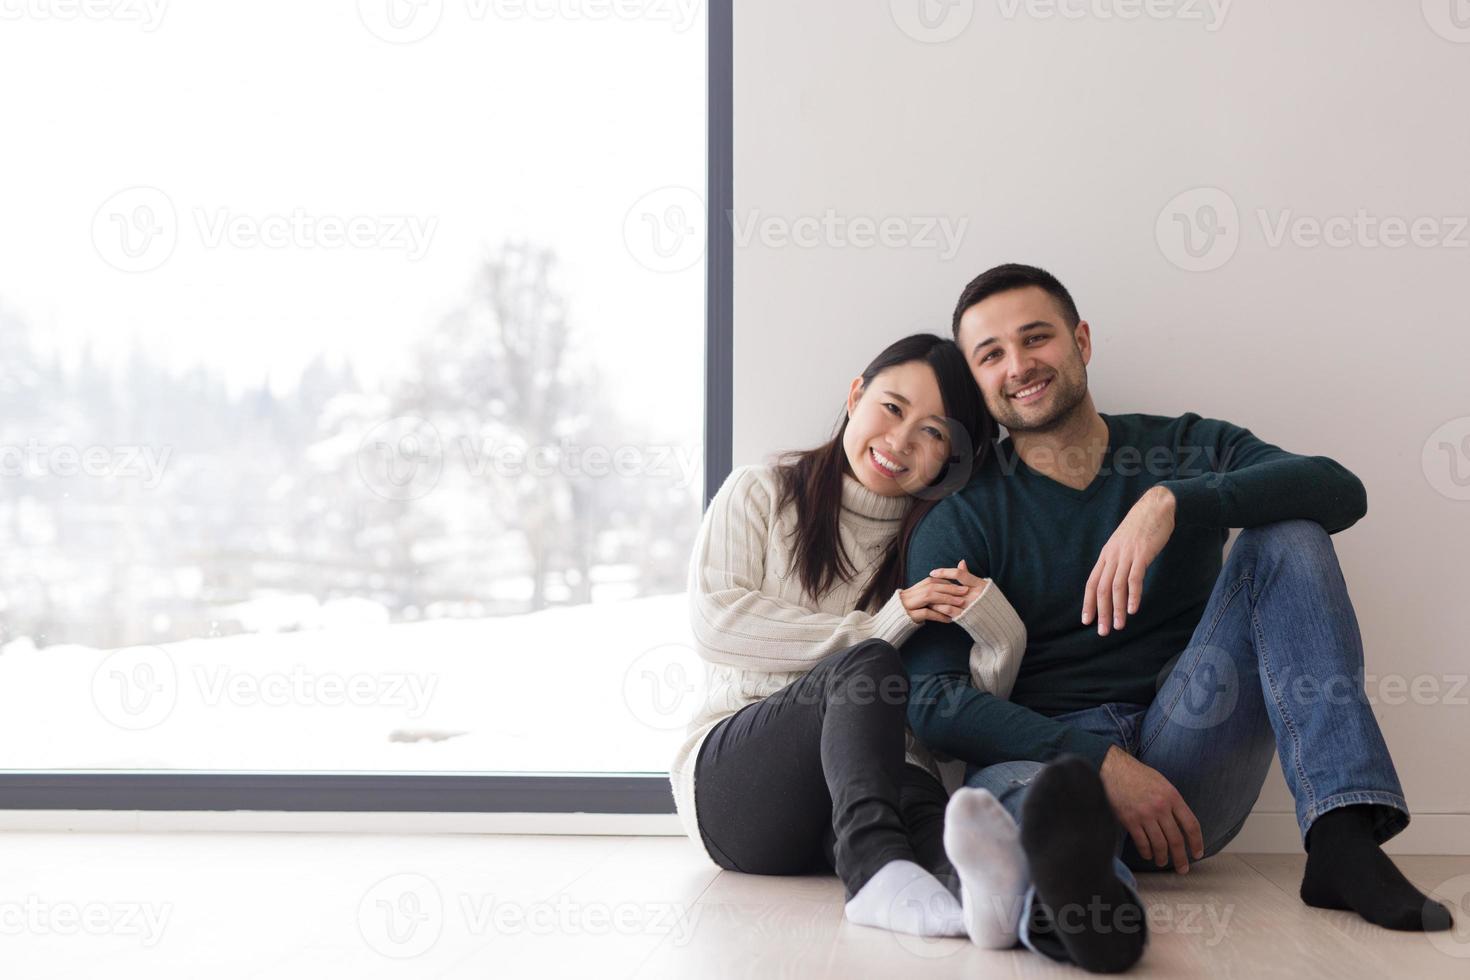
[(897, 437)]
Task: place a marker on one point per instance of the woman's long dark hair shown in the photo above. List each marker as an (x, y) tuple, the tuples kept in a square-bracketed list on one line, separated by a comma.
[(812, 479)]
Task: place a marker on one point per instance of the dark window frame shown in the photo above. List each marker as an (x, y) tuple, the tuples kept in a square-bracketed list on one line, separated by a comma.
[(463, 792)]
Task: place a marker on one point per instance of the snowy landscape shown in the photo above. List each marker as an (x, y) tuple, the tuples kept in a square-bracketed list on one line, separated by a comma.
[(596, 688), (363, 433)]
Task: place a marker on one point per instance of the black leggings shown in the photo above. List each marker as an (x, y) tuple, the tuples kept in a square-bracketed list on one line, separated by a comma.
[(813, 778)]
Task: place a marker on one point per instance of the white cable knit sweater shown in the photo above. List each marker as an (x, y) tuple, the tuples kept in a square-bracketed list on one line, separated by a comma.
[(757, 632)]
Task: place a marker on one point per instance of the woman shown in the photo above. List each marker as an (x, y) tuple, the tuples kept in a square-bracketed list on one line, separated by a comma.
[(798, 759)]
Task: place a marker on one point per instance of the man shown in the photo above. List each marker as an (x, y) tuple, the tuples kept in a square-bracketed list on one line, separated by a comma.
[(1157, 679)]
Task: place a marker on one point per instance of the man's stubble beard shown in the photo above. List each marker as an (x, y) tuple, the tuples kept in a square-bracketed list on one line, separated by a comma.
[(1070, 391)]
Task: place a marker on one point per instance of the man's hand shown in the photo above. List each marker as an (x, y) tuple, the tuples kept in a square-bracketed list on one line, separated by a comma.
[(1116, 582), (1151, 810)]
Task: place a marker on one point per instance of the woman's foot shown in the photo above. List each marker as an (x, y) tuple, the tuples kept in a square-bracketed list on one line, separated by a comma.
[(903, 897), (984, 845)]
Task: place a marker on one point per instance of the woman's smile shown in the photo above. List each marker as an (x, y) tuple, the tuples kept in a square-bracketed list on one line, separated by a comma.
[(885, 465)]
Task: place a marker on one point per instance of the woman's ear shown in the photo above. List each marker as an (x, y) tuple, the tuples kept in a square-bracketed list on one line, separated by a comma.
[(854, 392)]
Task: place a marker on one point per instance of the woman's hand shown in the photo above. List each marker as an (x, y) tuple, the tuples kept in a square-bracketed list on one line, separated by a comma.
[(938, 598)]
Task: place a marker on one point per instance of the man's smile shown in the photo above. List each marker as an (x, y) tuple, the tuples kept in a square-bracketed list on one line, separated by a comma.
[(1029, 394)]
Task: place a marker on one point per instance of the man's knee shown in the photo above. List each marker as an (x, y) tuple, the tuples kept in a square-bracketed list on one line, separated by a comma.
[(1285, 538), (1003, 775), (1008, 782), (1299, 549), (1217, 837)]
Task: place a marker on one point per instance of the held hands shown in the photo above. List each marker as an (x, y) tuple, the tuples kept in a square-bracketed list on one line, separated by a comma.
[(1152, 811), (939, 598), (1116, 582)]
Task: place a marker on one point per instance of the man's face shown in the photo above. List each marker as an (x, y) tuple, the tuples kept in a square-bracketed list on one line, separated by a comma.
[(1031, 370)]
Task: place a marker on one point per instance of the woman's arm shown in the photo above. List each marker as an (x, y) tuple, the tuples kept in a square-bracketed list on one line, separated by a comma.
[(950, 709), (999, 641), (735, 623)]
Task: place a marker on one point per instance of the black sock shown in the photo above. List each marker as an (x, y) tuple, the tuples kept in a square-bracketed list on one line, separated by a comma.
[(1346, 869), (1068, 832)]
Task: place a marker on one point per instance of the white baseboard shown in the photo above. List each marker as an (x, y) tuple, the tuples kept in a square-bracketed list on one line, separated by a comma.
[(1263, 833)]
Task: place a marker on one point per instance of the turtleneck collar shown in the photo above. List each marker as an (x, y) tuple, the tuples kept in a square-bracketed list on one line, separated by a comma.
[(864, 502)]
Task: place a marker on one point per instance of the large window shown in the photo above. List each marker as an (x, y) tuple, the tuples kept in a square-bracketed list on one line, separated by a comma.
[(352, 384)]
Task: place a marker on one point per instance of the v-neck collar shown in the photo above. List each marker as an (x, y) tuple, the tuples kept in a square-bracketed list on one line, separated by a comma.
[(1104, 468)]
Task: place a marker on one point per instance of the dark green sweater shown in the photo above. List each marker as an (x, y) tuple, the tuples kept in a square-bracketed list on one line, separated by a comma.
[(1039, 540)]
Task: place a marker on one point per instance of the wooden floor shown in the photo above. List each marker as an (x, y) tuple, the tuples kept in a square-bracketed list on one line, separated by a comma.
[(362, 906)]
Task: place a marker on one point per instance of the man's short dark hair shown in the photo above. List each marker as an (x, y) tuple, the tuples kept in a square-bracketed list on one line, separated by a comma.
[(1013, 275)]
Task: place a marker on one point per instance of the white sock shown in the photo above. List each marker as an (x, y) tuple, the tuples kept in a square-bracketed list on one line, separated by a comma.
[(984, 845), (903, 897)]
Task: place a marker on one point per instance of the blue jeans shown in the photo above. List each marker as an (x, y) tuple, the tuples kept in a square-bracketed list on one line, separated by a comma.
[(1276, 662)]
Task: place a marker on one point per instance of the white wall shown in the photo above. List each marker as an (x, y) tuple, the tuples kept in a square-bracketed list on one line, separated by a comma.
[(1062, 142)]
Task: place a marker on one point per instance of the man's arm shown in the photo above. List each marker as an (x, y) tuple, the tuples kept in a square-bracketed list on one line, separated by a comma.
[(1229, 478), (946, 712), (950, 716)]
